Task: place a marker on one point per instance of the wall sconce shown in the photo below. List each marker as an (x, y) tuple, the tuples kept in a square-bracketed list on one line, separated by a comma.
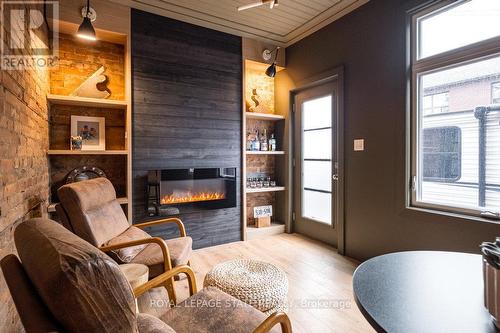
[(267, 55), (86, 30)]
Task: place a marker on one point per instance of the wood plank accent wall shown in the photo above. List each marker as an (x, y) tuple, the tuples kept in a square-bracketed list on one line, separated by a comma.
[(187, 93)]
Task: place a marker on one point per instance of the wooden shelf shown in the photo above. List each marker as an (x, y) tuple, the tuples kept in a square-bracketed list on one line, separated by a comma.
[(256, 233), (265, 189), (87, 152), (52, 207), (84, 101), (264, 116), (257, 152)]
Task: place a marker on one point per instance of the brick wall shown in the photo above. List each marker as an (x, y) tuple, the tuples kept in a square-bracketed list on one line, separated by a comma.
[(80, 59), (23, 162)]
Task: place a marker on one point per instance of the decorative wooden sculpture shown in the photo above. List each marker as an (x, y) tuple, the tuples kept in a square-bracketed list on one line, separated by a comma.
[(258, 106), (95, 86)]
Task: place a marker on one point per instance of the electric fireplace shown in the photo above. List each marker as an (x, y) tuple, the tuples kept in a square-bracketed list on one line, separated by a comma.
[(176, 191)]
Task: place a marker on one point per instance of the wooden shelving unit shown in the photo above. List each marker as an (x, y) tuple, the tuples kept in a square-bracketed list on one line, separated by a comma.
[(116, 160), (265, 189), (263, 116), (256, 233), (264, 163), (87, 152), (86, 102), (255, 152)]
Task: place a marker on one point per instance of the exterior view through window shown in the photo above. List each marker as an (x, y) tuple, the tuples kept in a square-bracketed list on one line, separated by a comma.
[(455, 108), (317, 159)]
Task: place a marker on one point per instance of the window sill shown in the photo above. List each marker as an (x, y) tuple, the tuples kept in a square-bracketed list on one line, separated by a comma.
[(451, 214)]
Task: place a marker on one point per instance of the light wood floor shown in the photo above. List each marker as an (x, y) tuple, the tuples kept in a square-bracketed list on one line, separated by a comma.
[(315, 271)]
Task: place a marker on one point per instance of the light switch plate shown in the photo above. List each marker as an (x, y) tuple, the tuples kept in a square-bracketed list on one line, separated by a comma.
[(359, 144)]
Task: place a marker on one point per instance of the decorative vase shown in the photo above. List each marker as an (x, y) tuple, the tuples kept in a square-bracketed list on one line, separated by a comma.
[(76, 143)]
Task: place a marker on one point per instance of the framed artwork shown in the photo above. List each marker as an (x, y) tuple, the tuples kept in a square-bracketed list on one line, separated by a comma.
[(91, 130)]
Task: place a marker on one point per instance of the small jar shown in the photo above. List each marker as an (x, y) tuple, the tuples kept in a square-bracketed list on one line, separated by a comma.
[(259, 183), (272, 183)]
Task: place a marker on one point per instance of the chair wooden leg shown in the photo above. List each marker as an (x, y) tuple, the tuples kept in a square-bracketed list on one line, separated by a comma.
[(169, 285)]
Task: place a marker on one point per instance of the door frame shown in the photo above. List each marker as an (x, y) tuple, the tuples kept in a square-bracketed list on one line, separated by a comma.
[(335, 75)]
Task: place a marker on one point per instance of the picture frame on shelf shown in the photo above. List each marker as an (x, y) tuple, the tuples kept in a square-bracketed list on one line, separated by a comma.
[(92, 130)]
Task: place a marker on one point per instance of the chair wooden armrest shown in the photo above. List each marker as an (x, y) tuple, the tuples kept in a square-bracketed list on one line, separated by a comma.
[(160, 280), (154, 240), (180, 225), (274, 319)]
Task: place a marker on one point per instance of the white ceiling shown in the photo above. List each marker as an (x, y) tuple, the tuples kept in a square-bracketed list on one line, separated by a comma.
[(291, 21)]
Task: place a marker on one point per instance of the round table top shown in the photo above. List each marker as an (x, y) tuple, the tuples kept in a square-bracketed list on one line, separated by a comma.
[(423, 291)]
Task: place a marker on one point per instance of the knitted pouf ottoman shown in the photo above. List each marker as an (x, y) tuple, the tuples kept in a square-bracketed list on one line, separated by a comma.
[(260, 284)]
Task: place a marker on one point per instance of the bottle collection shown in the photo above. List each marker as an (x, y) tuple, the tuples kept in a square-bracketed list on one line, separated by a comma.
[(260, 182), (259, 141)]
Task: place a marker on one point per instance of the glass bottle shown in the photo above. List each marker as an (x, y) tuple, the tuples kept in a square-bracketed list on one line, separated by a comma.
[(256, 142), (264, 146), (272, 143)]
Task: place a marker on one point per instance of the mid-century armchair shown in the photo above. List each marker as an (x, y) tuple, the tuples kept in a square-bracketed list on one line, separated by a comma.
[(64, 284), (91, 211)]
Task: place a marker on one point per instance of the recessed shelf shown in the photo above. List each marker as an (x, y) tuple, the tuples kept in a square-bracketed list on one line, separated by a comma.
[(255, 233), (84, 101), (265, 189), (87, 152), (52, 207), (257, 152), (264, 116)]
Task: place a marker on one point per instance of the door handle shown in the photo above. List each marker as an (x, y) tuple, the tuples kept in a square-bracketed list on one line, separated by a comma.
[(335, 177)]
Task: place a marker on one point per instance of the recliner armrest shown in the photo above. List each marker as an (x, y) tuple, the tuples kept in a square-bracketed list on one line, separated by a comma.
[(274, 319), (153, 240), (160, 280)]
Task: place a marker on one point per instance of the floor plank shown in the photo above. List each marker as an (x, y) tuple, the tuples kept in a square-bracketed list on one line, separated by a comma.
[(320, 280)]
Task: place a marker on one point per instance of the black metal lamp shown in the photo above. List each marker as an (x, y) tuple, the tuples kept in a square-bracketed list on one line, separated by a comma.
[(86, 30), (271, 70)]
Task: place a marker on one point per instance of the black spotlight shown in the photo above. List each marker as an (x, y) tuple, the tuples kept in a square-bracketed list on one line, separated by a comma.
[(271, 70), (86, 30)]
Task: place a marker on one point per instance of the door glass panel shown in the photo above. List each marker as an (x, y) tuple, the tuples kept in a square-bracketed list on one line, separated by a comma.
[(317, 113), (316, 161), (317, 206), (315, 174), (317, 144)]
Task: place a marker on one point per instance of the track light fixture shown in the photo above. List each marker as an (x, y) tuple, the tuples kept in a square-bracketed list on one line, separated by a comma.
[(86, 30), (271, 70)]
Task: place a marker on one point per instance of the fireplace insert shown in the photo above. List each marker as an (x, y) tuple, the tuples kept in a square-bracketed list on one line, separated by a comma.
[(177, 191)]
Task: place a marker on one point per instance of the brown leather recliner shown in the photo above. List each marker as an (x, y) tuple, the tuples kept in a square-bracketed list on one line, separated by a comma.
[(65, 284), (90, 210)]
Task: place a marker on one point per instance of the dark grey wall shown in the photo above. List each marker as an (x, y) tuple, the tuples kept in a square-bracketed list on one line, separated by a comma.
[(370, 43), (187, 87)]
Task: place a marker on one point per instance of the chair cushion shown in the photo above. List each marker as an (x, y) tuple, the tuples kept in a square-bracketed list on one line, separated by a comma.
[(212, 310), (149, 324), (82, 287), (127, 254), (93, 211), (180, 250)]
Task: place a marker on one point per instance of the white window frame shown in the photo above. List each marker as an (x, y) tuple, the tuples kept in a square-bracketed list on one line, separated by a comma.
[(482, 50), (493, 98)]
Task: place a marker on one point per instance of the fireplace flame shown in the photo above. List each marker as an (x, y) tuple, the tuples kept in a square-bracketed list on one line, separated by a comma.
[(196, 197)]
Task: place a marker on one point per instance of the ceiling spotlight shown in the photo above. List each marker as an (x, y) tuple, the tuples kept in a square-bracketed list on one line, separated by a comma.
[(271, 70), (86, 30)]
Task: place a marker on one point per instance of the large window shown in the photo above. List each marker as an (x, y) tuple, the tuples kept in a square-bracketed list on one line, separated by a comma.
[(455, 134)]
